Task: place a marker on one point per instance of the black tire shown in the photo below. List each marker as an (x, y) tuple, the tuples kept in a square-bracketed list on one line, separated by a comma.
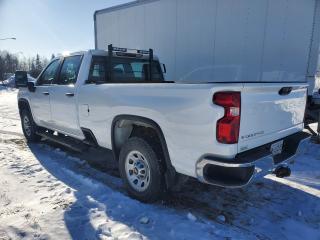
[(156, 186), (31, 132)]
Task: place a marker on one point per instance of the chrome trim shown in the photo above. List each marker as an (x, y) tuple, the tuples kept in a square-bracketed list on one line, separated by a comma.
[(263, 166)]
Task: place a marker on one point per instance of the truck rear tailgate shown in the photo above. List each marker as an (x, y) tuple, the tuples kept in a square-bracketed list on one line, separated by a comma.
[(270, 111)]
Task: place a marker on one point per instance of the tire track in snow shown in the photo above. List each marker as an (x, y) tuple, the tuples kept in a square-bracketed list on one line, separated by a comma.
[(86, 175)]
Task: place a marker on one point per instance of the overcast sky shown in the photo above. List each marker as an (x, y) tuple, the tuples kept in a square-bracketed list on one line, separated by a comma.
[(49, 26)]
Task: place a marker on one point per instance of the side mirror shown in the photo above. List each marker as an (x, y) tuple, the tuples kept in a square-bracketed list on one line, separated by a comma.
[(31, 87), (164, 69)]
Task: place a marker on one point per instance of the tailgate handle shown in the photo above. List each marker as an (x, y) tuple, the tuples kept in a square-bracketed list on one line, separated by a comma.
[(70, 94), (285, 91)]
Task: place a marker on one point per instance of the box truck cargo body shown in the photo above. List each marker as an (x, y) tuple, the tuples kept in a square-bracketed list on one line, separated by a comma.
[(219, 40)]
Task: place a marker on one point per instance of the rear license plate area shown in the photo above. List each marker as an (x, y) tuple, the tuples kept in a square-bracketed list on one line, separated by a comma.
[(276, 148)]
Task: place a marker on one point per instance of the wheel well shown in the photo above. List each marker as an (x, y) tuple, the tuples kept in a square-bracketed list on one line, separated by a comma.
[(126, 126), (123, 129)]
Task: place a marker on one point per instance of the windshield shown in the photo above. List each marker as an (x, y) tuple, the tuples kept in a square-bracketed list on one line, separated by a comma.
[(20, 75)]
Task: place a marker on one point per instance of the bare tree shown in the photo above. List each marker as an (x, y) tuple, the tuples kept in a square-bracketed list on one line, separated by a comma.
[(9, 63)]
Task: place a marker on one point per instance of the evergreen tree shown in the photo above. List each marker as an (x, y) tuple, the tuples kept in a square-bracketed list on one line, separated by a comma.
[(38, 63), (33, 70), (8, 63), (45, 62)]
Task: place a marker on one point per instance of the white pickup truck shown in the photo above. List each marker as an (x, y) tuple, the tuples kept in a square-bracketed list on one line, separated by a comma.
[(224, 134)]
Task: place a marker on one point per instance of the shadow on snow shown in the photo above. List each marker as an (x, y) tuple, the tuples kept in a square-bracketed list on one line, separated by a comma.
[(247, 211)]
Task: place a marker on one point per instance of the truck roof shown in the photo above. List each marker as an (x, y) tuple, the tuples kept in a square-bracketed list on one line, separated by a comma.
[(122, 6)]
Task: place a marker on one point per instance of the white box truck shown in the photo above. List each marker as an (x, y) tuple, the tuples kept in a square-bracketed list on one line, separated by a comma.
[(220, 40)]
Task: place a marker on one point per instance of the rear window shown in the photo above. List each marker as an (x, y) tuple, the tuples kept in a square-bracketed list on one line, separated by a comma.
[(20, 75), (124, 70)]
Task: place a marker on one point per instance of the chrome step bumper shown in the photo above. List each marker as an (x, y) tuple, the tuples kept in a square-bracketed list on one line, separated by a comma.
[(236, 173)]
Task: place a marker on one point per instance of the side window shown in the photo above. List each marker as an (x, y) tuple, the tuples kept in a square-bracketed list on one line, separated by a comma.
[(50, 73), (136, 70), (69, 70), (98, 70), (121, 72)]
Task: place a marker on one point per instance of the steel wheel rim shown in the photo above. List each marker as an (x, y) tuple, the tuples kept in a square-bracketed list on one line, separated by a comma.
[(137, 171), (27, 125)]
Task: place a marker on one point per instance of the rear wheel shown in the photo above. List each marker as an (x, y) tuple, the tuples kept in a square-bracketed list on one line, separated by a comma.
[(29, 128), (140, 170)]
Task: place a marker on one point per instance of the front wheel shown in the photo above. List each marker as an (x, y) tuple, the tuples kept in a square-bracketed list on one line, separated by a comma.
[(29, 128), (140, 170)]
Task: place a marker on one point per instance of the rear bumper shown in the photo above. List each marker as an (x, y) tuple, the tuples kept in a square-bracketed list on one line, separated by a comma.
[(250, 165)]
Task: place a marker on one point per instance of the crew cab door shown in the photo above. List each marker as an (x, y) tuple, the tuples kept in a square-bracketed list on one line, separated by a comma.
[(64, 98), (40, 99)]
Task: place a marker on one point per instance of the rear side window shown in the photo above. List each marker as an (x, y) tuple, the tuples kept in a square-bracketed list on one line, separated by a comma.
[(69, 70), (124, 70), (49, 74)]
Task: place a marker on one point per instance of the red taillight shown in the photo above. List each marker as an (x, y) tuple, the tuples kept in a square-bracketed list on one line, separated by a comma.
[(228, 127)]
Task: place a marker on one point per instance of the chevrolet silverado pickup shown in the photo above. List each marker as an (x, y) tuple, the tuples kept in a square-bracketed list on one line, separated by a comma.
[(225, 134)]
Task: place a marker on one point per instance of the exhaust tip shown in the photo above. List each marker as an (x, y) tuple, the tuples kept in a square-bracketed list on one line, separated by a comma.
[(282, 172)]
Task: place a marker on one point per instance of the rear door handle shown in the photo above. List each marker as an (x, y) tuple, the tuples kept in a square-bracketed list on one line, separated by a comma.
[(70, 94), (46, 93), (285, 91)]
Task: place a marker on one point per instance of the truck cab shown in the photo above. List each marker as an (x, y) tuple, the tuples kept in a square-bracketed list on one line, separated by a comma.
[(55, 95)]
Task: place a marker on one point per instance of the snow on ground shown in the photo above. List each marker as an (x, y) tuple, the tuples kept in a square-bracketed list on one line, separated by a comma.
[(49, 193)]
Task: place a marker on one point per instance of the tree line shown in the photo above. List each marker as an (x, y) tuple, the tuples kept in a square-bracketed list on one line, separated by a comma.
[(9, 63)]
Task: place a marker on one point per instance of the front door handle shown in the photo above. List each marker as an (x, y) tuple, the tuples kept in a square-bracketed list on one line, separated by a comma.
[(70, 94), (46, 93)]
